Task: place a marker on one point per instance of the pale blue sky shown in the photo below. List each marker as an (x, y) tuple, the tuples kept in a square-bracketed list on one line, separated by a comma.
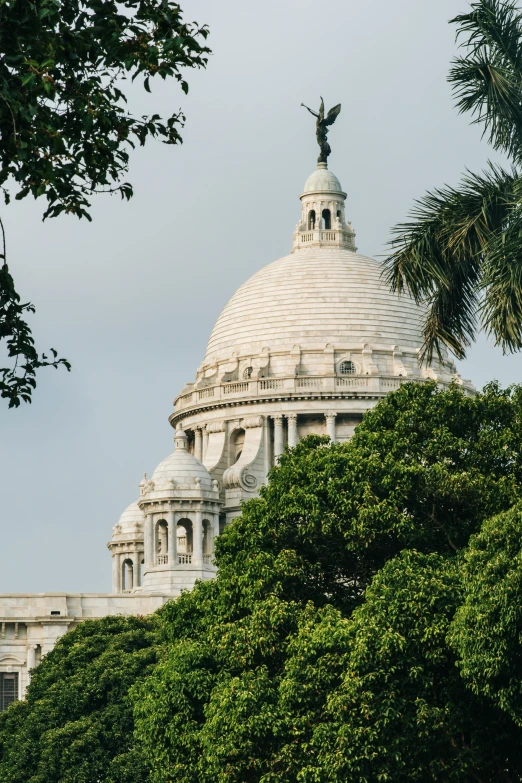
[(131, 298)]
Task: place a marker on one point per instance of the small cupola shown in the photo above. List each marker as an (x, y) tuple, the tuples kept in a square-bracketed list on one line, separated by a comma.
[(322, 213)]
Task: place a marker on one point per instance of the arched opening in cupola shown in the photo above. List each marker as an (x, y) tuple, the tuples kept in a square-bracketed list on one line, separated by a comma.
[(327, 218), (162, 542), (237, 441), (311, 220), (184, 541), (339, 214), (127, 582)]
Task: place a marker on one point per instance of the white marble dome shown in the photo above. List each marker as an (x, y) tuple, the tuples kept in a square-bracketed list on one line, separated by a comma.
[(182, 468), (322, 181), (131, 516), (316, 296)]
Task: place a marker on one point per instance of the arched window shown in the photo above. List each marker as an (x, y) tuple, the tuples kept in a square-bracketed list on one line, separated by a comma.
[(339, 214), (184, 540), (311, 220), (347, 368), (327, 217), (237, 441), (162, 542), (126, 575), (247, 373)]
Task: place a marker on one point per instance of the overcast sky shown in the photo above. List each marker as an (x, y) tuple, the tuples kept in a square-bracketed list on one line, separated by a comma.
[(131, 298)]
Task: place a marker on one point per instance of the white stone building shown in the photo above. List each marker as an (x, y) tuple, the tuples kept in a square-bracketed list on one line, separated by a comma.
[(307, 345)]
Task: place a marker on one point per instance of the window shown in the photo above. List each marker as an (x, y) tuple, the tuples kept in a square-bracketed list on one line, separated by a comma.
[(237, 441), (347, 368), (127, 575), (247, 373), (8, 689), (311, 220), (327, 219)]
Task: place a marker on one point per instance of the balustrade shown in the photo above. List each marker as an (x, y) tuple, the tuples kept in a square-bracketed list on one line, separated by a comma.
[(288, 385)]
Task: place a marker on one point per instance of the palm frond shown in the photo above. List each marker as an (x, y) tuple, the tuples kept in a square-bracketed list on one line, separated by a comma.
[(501, 309), (487, 81), (437, 256)]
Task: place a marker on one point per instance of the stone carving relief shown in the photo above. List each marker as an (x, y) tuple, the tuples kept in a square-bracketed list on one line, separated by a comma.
[(369, 366), (329, 360), (399, 368), (252, 421), (260, 364), (295, 360), (230, 370), (216, 426)]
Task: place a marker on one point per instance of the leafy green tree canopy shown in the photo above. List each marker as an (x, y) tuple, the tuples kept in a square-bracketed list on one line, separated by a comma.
[(487, 630), (77, 724), (319, 653), (65, 127)]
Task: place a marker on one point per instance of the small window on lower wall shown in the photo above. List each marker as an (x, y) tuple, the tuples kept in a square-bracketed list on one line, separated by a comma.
[(347, 368), (8, 689)]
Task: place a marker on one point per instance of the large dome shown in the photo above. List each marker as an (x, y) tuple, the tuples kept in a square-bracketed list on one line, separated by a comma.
[(313, 297)]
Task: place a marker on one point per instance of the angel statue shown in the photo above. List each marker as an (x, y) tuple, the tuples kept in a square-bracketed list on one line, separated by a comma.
[(322, 128)]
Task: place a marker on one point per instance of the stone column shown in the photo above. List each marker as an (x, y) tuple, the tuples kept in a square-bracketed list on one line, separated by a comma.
[(116, 586), (205, 442), (172, 539), (129, 575), (267, 445), (197, 541), (330, 425), (216, 530), (278, 436), (292, 429), (149, 541), (136, 569), (198, 444), (31, 657)]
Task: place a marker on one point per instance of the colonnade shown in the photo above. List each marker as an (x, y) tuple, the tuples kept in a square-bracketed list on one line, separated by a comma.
[(291, 419), (196, 557), (126, 570), (201, 434), (200, 442)]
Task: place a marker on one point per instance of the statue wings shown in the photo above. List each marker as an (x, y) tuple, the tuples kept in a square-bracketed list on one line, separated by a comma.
[(332, 115)]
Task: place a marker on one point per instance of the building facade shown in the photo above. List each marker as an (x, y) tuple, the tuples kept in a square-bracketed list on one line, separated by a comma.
[(306, 345)]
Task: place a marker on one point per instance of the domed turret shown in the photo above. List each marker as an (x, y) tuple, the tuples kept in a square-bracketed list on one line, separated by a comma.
[(126, 547), (322, 221), (181, 505)]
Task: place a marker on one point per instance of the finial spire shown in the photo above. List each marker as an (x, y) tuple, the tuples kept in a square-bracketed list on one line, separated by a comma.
[(321, 126)]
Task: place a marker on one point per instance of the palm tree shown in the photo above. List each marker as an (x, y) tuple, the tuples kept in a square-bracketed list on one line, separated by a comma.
[(461, 251)]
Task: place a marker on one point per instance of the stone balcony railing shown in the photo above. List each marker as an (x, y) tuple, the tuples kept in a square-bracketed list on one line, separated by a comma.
[(335, 237), (297, 386)]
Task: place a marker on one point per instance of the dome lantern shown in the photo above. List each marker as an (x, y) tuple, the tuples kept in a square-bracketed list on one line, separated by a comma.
[(323, 221)]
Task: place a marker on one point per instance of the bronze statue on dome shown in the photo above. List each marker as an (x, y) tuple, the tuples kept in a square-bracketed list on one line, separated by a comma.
[(321, 125)]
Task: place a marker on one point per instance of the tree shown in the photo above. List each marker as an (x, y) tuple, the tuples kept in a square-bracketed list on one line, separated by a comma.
[(65, 131), (76, 724), (487, 629), (319, 653), (460, 251)]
